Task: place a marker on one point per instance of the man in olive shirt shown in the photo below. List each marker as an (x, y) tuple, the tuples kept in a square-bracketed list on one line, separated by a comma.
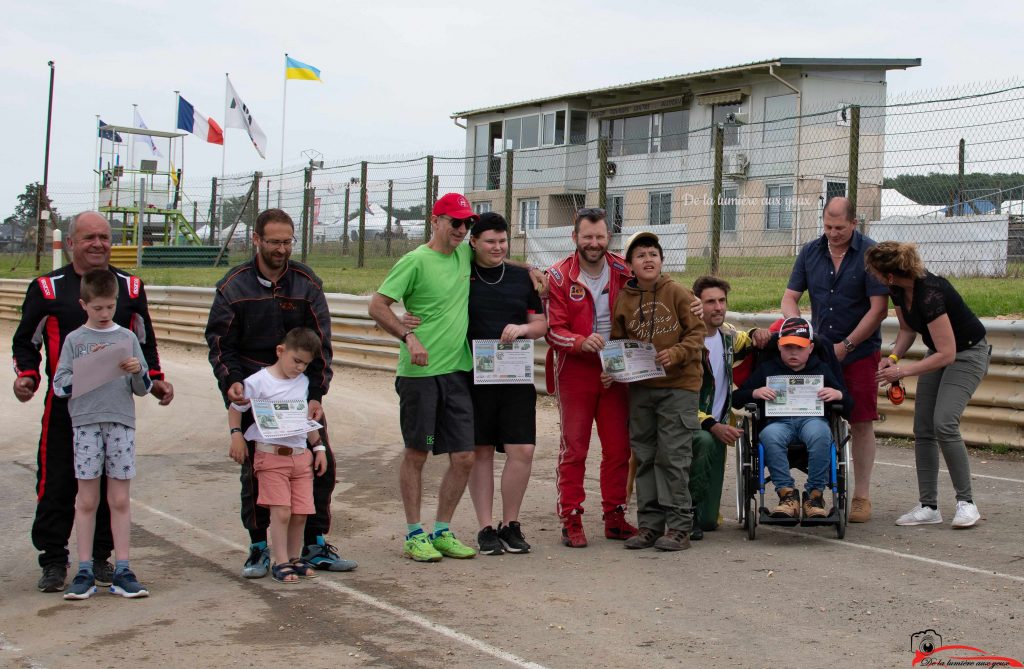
[(433, 381)]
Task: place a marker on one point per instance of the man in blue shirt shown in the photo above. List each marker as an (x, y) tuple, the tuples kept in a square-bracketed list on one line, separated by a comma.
[(847, 307)]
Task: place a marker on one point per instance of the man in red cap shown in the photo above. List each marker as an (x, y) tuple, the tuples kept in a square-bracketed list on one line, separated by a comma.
[(434, 363)]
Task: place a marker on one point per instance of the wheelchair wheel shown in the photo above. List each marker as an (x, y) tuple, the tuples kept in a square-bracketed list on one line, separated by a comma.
[(841, 521), (741, 481), (751, 519)]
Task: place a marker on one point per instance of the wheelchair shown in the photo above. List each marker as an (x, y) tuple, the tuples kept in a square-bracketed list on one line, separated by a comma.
[(752, 475)]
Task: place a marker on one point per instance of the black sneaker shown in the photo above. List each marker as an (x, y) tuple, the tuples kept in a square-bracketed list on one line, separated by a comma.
[(258, 563), (511, 536), (53, 578), (103, 573), (489, 542)]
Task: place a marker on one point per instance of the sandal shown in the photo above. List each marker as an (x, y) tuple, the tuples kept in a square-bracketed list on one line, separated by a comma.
[(303, 569), (281, 572)]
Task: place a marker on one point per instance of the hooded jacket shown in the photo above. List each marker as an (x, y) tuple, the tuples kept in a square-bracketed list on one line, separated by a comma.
[(662, 316)]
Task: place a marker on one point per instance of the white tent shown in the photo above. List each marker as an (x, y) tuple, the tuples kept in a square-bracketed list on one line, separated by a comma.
[(895, 203)]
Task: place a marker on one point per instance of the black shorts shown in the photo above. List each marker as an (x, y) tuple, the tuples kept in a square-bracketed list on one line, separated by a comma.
[(436, 412), (505, 414)]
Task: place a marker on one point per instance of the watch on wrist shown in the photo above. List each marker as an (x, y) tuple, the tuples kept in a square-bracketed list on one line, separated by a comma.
[(236, 429), (405, 336), (849, 344)]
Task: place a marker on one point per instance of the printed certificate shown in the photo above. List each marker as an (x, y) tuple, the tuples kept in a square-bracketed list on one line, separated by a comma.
[(276, 419), (627, 360), (498, 362), (795, 396)]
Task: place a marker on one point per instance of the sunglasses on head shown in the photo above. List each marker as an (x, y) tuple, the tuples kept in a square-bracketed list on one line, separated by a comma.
[(590, 212)]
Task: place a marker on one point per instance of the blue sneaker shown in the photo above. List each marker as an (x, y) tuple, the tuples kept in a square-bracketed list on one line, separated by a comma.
[(126, 585), (257, 565), (325, 556), (83, 587)]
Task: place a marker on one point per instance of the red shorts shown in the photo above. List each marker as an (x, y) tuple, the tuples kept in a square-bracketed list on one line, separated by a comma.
[(863, 388), (285, 480)]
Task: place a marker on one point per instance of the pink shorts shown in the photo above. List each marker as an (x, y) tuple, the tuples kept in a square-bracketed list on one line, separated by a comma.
[(285, 480), (863, 388)]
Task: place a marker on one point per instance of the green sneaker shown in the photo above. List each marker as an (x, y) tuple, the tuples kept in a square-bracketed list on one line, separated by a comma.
[(451, 547), (419, 548)]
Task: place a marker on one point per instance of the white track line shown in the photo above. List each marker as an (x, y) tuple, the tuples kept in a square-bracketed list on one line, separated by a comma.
[(397, 611), (946, 471), (889, 551), (7, 646)]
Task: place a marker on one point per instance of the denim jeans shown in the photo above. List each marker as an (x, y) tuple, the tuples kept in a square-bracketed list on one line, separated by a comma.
[(814, 432)]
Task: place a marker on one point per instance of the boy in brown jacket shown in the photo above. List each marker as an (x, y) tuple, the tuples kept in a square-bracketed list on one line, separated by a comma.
[(662, 411)]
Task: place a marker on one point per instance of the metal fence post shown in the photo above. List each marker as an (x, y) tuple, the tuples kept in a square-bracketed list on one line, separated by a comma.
[(362, 215), (307, 178), (256, 176), (214, 226), (853, 171), (961, 208), (437, 186), (602, 172), (312, 217), (509, 169), (387, 230), (344, 225), (428, 204), (716, 199)]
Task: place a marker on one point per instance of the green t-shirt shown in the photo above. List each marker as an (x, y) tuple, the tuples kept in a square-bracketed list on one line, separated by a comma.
[(435, 288)]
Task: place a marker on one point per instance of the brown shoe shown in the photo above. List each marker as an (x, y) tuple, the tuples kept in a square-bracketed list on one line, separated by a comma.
[(644, 538), (789, 504), (674, 540), (814, 505), (860, 510)]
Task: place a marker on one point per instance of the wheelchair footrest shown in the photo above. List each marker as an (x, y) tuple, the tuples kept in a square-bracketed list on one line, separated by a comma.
[(766, 518), (831, 519)]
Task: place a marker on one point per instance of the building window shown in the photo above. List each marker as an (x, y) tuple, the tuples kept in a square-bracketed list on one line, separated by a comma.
[(780, 208), (481, 155), (720, 114), (661, 208), (729, 196), (648, 133), (616, 211), (578, 127), (522, 132), (529, 214), (554, 129), (779, 119), (481, 207)]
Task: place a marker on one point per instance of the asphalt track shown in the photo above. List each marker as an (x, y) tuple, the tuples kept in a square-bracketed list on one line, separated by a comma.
[(794, 597)]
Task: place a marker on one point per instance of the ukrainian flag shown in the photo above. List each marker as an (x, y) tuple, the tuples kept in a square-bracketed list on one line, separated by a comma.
[(294, 69)]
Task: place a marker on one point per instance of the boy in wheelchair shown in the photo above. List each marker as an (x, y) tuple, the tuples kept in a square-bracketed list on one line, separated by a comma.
[(796, 345)]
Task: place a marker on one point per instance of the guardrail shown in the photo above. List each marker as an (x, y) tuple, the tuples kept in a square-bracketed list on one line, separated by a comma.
[(995, 414)]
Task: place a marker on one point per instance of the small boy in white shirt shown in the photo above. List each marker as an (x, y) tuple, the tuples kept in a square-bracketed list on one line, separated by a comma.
[(284, 467)]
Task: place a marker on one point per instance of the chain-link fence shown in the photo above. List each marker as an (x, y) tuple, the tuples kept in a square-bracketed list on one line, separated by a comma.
[(739, 196)]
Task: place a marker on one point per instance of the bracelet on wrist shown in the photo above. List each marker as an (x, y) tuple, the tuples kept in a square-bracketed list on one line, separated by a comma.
[(318, 447), (895, 358)]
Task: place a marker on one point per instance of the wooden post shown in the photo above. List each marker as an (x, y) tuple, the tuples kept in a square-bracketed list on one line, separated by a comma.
[(716, 199), (509, 169), (428, 204), (853, 171), (344, 225), (961, 209), (387, 230), (361, 261), (307, 178), (214, 226), (602, 172)]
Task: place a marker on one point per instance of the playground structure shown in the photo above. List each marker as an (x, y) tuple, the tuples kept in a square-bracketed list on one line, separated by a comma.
[(142, 199)]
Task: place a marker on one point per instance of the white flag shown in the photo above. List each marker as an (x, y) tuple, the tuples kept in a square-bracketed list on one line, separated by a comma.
[(146, 139), (239, 116)]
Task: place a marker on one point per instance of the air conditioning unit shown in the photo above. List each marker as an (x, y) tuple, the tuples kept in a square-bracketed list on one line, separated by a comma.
[(735, 165)]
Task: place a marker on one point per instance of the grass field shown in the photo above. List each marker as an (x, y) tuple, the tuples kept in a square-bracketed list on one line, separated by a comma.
[(757, 283)]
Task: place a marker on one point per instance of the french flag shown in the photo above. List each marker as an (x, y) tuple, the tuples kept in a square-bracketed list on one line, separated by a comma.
[(192, 121)]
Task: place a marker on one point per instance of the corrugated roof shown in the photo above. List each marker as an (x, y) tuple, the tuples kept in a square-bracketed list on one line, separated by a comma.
[(887, 63)]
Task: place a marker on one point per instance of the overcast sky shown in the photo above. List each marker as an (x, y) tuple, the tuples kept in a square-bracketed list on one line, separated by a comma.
[(394, 71)]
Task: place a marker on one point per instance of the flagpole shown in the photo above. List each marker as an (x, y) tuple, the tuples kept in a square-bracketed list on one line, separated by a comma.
[(223, 153), (98, 161), (284, 110)]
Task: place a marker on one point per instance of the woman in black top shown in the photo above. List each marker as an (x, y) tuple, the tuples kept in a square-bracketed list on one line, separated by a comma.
[(950, 372)]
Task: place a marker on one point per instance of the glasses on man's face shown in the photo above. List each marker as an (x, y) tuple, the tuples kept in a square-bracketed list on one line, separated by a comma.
[(458, 222), (590, 212), (278, 243)]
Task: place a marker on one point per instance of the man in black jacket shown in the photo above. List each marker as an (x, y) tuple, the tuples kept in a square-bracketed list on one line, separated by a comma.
[(51, 310), (255, 305)]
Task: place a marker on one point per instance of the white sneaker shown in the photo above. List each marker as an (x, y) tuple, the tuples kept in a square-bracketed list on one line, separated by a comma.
[(966, 515), (921, 515)]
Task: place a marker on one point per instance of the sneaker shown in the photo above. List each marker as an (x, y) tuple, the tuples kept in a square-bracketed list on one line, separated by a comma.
[(673, 540), (126, 585), (814, 505), (83, 587), (966, 515), (325, 556), (511, 536), (573, 535), (860, 510), (448, 546), (489, 542), (53, 578), (920, 515), (644, 538), (258, 563), (419, 548), (789, 504), (103, 572), (616, 526)]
